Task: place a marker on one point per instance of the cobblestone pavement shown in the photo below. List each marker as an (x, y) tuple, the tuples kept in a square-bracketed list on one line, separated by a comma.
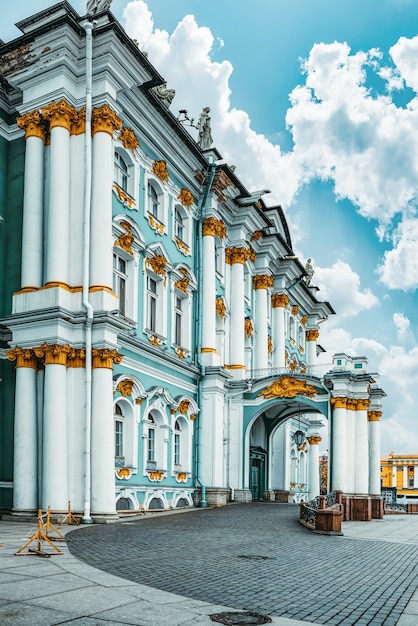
[(257, 557)]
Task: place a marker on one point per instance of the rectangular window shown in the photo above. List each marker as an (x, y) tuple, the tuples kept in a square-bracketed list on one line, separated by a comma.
[(120, 172), (151, 445), (119, 281), (152, 304), (118, 438), (176, 449)]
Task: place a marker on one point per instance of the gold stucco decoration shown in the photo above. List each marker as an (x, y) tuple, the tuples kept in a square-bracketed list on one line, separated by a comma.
[(105, 120), (295, 309), (269, 344), (183, 407), (288, 387), (124, 473), (180, 353), (156, 341), (59, 114), (53, 354), (155, 224), (193, 417), (258, 234), (156, 476), (279, 300), (124, 197), (248, 328), (33, 124), (338, 403), (104, 358), (182, 477), (125, 242), (24, 357), (186, 198), (304, 319), (182, 284), (182, 246), (76, 357), (159, 168), (312, 335), (263, 281), (128, 138), (238, 255), (158, 264), (125, 387), (374, 416), (314, 440), (220, 307), (78, 124), (126, 225), (212, 226)]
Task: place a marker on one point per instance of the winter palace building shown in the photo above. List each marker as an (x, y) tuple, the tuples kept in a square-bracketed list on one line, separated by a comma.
[(158, 335)]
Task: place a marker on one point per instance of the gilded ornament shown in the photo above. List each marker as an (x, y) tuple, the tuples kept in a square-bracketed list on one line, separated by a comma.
[(279, 300), (138, 400), (180, 353), (314, 440), (248, 328), (185, 197), (76, 357), (124, 197), (183, 407), (182, 284), (374, 416), (212, 226), (159, 168), (128, 138), (125, 387), (125, 242), (59, 114), (158, 263), (237, 255), (78, 125), (24, 357), (155, 224), (263, 281), (220, 307), (104, 358), (181, 246), (105, 120), (193, 417), (126, 225), (338, 403), (124, 473), (156, 341), (257, 235), (287, 387), (156, 476), (182, 477), (362, 404), (295, 309), (304, 319), (312, 335), (269, 344), (293, 366), (53, 354), (33, 124)]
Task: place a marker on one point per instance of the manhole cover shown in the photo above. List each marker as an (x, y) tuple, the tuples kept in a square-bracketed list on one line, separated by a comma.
[(254, 557), (240, 619)]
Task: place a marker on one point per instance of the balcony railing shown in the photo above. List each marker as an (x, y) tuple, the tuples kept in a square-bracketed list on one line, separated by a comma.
[(317, 371)]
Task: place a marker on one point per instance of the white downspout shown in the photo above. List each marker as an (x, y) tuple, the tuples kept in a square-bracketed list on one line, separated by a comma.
[(86, 519)]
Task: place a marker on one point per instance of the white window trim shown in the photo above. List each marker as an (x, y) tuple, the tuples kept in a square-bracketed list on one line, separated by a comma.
[(159, 224), (161, 308), (130, 434), (133, 178)]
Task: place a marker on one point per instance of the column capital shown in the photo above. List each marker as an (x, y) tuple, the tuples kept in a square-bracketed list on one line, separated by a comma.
[(78, 126), (279, 300), (314, 440), (105, 120), (59, 114), (338, 403), (312, 334), (53, 354), (104, 358), (374, 416), (212, 227), (263, 281), (76, 357), (363, 404), (24, 357), (239, 255), (33, 124)]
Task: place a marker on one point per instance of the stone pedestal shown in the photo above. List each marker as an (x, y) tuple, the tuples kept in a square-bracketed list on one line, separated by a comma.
[(281, 495), (269, 495), (242, 495), (378, 508), (328, 521), (361, 508), (214, 496)]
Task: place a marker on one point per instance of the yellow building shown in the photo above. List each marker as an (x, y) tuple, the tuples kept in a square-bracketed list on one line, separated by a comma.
[(400, 471)]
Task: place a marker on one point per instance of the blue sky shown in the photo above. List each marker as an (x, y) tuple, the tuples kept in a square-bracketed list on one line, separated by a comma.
[(317, 101)]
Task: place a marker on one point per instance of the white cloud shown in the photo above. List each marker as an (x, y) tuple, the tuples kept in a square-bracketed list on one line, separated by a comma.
[(403, 329), (399, 269), (341, 285)]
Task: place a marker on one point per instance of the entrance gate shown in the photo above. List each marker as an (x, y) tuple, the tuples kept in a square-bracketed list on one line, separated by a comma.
[(258, 458)]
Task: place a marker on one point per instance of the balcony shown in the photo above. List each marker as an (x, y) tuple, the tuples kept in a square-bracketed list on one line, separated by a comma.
[(316, 371)]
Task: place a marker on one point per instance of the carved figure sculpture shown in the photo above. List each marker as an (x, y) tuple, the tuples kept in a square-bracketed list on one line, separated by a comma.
[(310, 272), (165, 94), (204, 135), (96, 6)]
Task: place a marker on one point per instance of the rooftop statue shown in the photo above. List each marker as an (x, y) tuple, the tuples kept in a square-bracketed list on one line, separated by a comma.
[(97, 6), (310, 272), (204, 136)]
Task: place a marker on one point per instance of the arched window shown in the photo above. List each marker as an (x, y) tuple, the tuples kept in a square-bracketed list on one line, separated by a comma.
[(151, 441), (120, 277), (121, 175), (119, 423), (178, 224), (154, 202), (177, 443)]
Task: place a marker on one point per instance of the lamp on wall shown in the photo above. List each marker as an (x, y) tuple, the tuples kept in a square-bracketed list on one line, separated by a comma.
[(299, 437)]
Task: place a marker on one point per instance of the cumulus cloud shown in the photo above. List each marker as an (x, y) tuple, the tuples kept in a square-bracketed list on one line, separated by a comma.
[(403, 329), (399, 269), (341, 285)]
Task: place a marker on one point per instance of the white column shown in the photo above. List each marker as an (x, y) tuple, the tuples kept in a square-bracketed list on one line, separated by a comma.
[(313, 472), (60, 116), (405, 476), (311, 339), (361, 472), (55, 440), (338, 452), (211, 433), (279, 302), (32, 227), (209, 292), (261, 283), (237, 257), (103, 434), (104, 123), (374, 452), (25, 463)]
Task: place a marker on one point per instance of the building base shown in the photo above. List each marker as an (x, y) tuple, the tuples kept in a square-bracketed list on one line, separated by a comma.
[(215, 496), (242, 495), (281, 495)]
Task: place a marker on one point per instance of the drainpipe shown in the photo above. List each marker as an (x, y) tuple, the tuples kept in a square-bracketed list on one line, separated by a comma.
[(86, 519), (202, 503)]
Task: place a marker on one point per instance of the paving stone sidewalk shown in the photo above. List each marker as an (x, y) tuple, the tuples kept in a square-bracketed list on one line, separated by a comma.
[(256, 557)]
